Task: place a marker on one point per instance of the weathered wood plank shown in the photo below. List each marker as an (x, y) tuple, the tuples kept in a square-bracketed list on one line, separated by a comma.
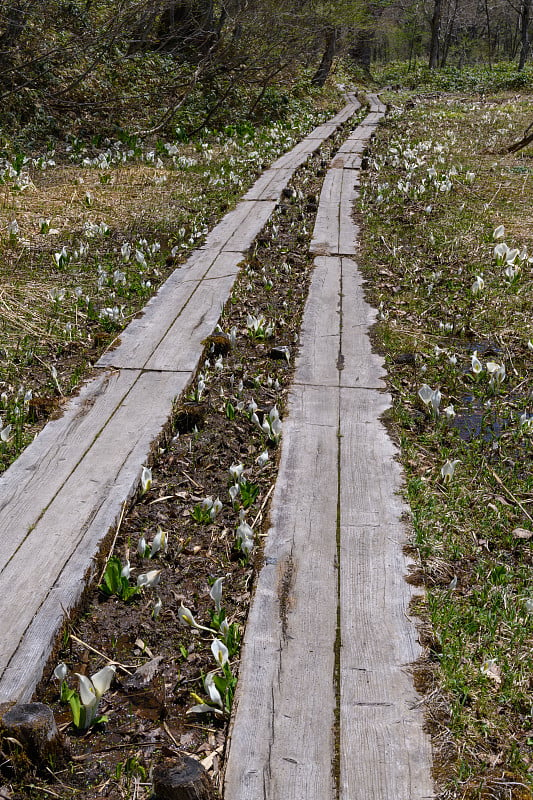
[(44, 466), (356, 143), (346, 112), (317, 361), (335, 232), (244, 234), (286, 679), (367, 442), (346, 160), (361, 367), (46, 573), (384, 751), (270, 185), (195, 321), (143, 335), (374, 601), (239, 227), (323, 131), (298, 155), (371, 120), (227, 263), (353, 100), (376, 105), (389, 759), (326, 231), (348, 230)]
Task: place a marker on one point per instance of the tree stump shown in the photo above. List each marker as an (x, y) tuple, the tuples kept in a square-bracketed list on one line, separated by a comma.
[(183, 779), (33, 727)]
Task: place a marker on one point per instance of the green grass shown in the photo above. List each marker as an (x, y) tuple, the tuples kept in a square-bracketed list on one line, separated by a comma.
[(425, 241)]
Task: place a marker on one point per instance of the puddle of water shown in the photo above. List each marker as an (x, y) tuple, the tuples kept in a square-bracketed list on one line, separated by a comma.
[(474, 421)]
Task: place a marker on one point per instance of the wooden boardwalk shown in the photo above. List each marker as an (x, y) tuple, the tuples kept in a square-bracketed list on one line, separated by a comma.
[(325, 706), (60, 499)]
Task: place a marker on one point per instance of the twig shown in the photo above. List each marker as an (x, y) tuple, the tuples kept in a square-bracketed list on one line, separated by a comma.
[(170, 734), (511, 495), (102, 655), (263, 504), (199, 485)]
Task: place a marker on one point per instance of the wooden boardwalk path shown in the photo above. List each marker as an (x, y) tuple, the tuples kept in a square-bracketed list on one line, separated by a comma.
[(66, 491), (325, 705)]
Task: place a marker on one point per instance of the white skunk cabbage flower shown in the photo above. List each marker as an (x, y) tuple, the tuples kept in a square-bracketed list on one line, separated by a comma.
[(216, 593)]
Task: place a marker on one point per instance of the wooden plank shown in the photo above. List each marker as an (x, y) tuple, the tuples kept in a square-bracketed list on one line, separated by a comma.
[(371, 119), (361, 367), (242, 237), (326, 231), (335, 233), (389, 759), (317, 361), (298, 155), (376, 105), (277, 749), (348, 230), (353, 100), (323, 132), (356, 143), (346, 160), (367, 441), (195, 321), (385, 753), (224, 265), (270, 185), (345, 113), (239, 227), (35, 478), (144, 334), (375, 631), (46, 573)]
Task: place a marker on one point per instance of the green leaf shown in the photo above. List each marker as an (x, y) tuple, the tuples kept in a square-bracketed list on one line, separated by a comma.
[(75, 708)]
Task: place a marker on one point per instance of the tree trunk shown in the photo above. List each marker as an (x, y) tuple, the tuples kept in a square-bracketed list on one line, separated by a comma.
[(330, 51), (525, 12), (489, 32), (434, 45), (361, 49)]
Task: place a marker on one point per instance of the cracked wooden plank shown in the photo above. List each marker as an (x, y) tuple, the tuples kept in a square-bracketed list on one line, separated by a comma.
[(317, 361), (335, 232), (46, 574), (347, 160), (270, 185), (286, 681), (361, 367), (44, 466), (195, 322), (385, 753), (237, 230), (139, 340)]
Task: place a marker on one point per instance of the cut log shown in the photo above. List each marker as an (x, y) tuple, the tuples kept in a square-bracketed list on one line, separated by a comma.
[(185, 779), (32, 728)]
